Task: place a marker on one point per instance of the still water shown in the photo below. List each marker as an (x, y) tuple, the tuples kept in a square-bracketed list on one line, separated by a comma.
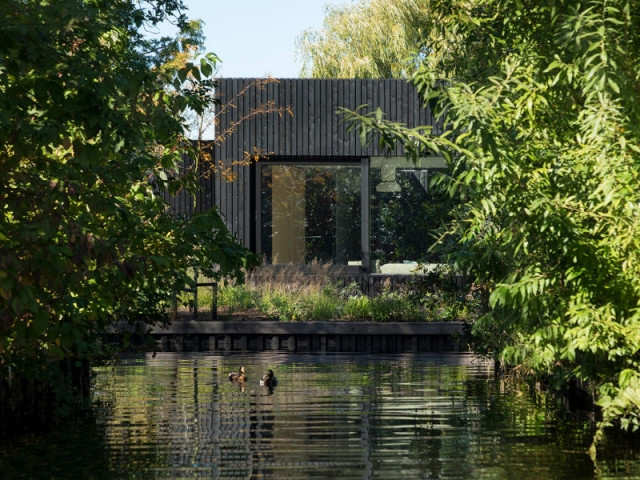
[(330, 416)]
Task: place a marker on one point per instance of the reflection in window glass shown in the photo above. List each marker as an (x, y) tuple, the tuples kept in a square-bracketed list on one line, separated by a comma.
[(405, 211), (311, 213)]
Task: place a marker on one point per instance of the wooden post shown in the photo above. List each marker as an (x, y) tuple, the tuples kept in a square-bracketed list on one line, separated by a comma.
[(214, 301), (174, 307), (195, 294)]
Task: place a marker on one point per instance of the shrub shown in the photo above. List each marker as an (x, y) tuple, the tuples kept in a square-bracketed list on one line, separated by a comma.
[(349, 291), (356, 308), (389, 306), (290, 295), (325, 307), (237, 297), (297, 307), (276, 304)]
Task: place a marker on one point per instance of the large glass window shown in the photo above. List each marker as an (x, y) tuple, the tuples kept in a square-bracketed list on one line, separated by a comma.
[(324, 213), (405, 212), (311, 213)]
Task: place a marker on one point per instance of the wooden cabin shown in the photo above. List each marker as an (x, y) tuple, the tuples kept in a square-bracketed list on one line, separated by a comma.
[(316, 193)]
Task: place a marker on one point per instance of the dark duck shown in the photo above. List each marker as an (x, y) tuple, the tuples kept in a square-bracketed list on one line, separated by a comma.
[(239, 376), (269, 380)]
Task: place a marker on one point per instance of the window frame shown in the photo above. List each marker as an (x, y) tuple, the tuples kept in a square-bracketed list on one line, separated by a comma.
[(365, 164), (362, 162)]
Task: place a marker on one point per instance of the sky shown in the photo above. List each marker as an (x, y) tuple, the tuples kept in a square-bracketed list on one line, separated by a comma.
[(256, 38)]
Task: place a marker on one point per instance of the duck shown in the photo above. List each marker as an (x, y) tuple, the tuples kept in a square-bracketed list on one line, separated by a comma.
[(269, 380), (239, 376)]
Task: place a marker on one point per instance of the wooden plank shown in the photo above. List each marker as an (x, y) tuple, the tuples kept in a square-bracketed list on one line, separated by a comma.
[(325, 118), (308, 125), (272, 119), (396, 108), (257, 226), (385, 98), (424, 114), (236, 185), (369, 100), (227, 197), (210, 186), (317, 115), (267, 119), (246, 205), (318, 137), (297, 119), (233, 190), (262, 120), (391, 96), (355, 91), (219, 149), (298, 114), (285, 124), (333, 119), (338, 101), (253, 144)]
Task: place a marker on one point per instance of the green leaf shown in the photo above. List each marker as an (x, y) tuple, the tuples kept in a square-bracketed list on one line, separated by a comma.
[(38, 324)]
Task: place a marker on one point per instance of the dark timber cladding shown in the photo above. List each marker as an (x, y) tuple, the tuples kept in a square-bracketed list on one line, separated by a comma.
[(315, 131)]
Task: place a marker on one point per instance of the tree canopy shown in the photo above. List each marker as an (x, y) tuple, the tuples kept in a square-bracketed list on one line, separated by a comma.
[(538, 100), (91, 128), (364, 39)]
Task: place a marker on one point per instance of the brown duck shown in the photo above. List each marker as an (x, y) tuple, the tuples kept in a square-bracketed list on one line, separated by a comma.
[(238, 376)]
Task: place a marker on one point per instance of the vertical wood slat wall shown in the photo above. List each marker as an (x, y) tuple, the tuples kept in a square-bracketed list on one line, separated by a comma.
[(315, 131)]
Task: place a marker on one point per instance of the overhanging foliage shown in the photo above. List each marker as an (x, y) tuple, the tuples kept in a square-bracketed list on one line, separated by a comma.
[(90, 130), (539, 104)]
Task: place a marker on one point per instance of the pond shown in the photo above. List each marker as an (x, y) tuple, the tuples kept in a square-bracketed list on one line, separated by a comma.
[(330, 416)]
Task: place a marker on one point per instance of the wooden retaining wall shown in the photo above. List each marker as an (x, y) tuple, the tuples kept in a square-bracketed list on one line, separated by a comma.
[(322, 337)]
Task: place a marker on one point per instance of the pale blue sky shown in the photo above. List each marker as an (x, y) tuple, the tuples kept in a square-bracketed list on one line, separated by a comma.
[(255, 38)]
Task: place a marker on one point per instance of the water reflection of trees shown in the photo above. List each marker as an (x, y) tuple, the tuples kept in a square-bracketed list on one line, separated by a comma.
[(184, 417), (357, 418), (218, 427), (75, 449), (405, 223)]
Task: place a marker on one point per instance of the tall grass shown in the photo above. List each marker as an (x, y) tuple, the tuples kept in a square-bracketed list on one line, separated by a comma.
[(289, 294)]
